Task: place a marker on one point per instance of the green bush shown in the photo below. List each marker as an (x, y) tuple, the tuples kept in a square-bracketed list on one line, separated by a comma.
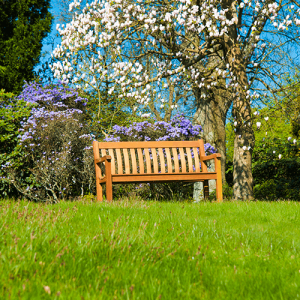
[(277, 179), (266, 190), (12, 112)]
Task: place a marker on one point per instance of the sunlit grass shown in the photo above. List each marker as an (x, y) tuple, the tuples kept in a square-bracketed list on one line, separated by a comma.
[(149, 250)]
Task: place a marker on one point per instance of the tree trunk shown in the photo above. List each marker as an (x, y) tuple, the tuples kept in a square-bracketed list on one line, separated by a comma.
[(243, 146), (244, 136), (242, 167), (211, 115)]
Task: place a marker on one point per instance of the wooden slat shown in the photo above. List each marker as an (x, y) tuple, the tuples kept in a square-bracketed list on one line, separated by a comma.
[(176, 163), (182, 159), (197, 162), (103, 152), (190, 160), (133, 161), (119, 161), (148, 160), (191, 177), (126, 161), (162, 161), (202, 154), (141, 161), (201, 148), (159, 144), (155, 163), (113, 163), (169, 161)]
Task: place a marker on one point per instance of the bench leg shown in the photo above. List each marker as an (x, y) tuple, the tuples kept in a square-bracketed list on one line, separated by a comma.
[(109, 193), (205, 189), (99, 191), (219, 192)]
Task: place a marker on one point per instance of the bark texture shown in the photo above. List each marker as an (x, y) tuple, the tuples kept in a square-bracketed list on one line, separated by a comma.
[(244, 136), (243, 142), (211, 115)]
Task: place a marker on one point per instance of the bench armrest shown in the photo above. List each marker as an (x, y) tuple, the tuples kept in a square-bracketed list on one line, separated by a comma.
[(102, 159), (212, 156)]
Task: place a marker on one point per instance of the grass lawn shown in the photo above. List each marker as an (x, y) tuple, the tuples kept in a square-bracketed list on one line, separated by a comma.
[(149, 250)]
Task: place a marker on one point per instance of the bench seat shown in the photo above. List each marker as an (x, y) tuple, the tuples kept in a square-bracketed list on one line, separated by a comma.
[(137, 178)]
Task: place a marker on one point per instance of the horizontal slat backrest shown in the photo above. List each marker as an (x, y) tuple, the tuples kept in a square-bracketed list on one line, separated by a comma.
[(136, 145), (162, 157)]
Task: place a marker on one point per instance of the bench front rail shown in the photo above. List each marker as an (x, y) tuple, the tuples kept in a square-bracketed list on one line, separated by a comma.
[(163, 161)]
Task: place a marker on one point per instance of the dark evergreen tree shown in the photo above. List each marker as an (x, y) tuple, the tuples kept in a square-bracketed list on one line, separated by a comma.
[(23, 26)]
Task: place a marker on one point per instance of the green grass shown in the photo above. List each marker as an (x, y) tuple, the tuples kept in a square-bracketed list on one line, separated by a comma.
[(149, 250)]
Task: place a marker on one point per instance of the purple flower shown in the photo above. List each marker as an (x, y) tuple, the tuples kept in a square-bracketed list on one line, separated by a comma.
[(179, 128)]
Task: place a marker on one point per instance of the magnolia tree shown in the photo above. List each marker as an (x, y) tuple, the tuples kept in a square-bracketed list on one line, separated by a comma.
[(179, 38), (91, 66)]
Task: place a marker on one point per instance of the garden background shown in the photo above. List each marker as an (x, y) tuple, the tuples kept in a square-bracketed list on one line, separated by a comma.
[(49, 125), (175, 88)]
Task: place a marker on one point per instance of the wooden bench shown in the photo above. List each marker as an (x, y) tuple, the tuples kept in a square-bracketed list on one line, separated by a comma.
[(125, 162)]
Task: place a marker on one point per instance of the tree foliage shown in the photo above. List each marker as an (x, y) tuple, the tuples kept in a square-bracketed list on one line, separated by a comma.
[(23, 26)]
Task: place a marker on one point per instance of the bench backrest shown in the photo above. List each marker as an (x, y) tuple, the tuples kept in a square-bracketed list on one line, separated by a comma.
[(153, 157)]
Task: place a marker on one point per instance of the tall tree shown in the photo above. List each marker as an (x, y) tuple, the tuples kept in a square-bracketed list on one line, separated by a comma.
[(23, 26), (181, 37)]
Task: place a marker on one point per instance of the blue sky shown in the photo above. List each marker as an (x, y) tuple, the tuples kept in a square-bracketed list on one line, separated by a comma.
[(46, 50)]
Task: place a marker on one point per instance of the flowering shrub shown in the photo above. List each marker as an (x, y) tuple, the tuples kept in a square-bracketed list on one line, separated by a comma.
[(178, 129), (56, 143), (57, 95)]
